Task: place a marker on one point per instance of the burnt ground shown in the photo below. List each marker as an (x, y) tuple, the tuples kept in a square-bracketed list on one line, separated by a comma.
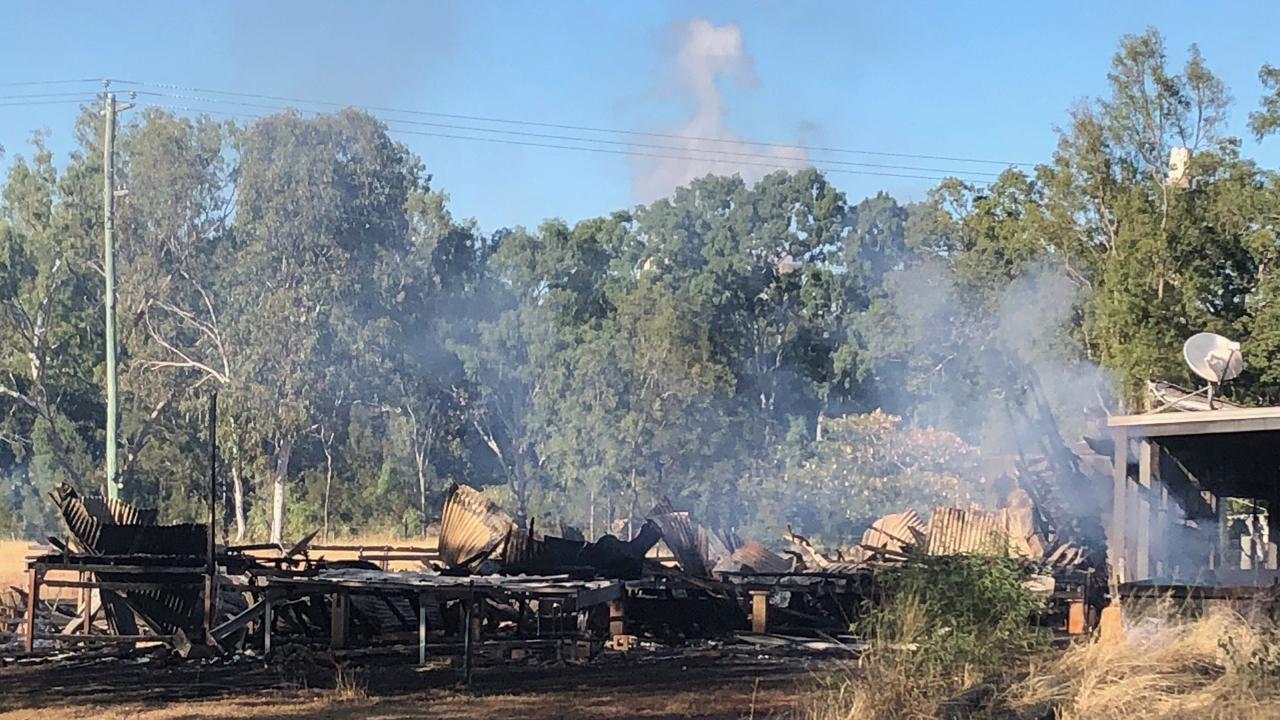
[(695, 684)]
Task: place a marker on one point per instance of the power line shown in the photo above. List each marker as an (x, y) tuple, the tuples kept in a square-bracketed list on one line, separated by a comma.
[(779, 163), (26, 103), (22, 83), (43, 95), (624, 143), (581, 128)]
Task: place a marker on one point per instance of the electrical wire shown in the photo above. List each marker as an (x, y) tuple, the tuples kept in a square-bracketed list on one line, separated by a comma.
[(562, 126), (27, 103), (43, 95), (777, 163), (772, 159), (22, 83)]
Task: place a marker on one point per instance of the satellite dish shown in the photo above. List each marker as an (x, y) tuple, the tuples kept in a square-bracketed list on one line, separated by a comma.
[(1213, 357)]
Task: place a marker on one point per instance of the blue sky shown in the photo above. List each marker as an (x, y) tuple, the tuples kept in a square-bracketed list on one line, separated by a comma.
[(983, 80)]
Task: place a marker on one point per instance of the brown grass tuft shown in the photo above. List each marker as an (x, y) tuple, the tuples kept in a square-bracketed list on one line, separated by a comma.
[(1166, 668), (349, 683)]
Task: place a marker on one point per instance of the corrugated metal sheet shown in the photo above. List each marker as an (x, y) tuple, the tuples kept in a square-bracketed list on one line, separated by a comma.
[(111, 527), (519, 546), (953, 531), (683, 540), (471, 526), (754, 557), (895, 532)]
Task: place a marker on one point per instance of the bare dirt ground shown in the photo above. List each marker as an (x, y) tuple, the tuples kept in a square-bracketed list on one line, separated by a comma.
[(706, 685)]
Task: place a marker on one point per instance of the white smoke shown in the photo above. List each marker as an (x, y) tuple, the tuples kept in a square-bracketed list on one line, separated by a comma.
[(706, 55)]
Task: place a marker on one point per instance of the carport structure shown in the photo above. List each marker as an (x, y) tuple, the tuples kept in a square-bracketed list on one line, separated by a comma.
[(1172, 475)]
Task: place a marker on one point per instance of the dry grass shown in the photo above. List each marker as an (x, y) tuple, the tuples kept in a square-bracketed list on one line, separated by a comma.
[(349, 683), (1215, 667), (13, 563), (13, 570), (1166, 668)]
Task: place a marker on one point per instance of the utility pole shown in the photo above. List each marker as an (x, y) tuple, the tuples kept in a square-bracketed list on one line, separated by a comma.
[(109, 269)]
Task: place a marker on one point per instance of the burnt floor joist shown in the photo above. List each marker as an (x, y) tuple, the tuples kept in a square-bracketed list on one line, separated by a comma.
[(1170, 472)]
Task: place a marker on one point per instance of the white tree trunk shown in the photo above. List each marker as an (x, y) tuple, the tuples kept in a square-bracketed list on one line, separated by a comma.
[(328, 483), (278, 490), (421, 457), (237, 491)]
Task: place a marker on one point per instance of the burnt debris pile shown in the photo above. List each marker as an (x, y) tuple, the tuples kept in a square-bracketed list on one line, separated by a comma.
[(492, 589)]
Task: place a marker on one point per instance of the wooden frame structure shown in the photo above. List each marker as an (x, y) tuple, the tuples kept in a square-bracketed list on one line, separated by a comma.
[(567, 596), (87, 569)]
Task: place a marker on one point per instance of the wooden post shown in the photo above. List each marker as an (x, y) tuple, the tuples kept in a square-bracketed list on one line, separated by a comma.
[(469, 606), (1119, 493), (760, 611), (339, 620), (86, 597), (422, 628), (33, 599), (1075, 617), (617, 618)]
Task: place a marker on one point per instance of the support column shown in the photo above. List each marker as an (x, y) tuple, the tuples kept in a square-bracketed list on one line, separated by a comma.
[(422, 628), (1143, 510), (33, 600), (760, 611), (339, 620), (1075, 617), (1224, 558), (266, 625), (1119, 493), (617, 618), (469, 628), (86, 610)]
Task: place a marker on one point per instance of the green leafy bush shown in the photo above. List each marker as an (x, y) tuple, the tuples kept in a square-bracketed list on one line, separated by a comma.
[(941, 613)]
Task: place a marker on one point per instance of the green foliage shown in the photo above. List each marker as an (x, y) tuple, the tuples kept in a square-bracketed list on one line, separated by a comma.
[(866, 466), (945, 613), (1266, 120), (725, 346)]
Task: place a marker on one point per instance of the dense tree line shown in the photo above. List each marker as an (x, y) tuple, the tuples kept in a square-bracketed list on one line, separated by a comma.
[(727, 347)]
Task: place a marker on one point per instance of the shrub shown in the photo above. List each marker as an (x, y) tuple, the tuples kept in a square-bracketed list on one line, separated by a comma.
[(943, 613)]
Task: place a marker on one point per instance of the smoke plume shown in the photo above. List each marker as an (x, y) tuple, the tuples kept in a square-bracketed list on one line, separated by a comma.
[(706, 55)]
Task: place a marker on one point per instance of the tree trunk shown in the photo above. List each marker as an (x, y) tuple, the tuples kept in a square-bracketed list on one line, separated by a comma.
[(635, 498), (278, 489), (237, 490), (328, 483), (420, 456), (520, 495)]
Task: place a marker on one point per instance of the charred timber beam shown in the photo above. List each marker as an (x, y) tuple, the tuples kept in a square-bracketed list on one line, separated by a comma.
[(113, 585), (195, 572), (237, 623)]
